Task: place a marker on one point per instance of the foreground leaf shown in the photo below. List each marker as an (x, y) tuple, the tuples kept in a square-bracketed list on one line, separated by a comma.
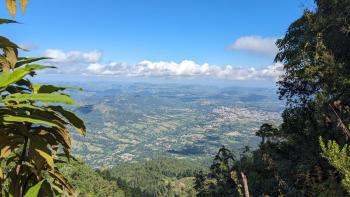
[(12, 77), (1, 174), (11, 55), (11, 7), (64, 182), (73, 119), (28, 61), (24, 4), (7, 119), (45, 98), (34, 191), (48, 158), (41, 88), (6, 21), (4, 42)]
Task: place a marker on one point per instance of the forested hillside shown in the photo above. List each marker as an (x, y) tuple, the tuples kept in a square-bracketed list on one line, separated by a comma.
[(159, 177), (87, 182)]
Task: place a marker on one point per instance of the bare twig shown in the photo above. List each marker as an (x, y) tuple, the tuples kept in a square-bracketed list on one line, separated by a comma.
[(343, 126)]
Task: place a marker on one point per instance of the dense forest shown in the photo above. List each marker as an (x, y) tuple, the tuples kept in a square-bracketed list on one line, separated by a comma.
[(307, 155)]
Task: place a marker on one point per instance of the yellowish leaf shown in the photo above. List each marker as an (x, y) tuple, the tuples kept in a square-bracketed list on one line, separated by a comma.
[(5, 65), (5, 151), (11, 56), (1, 174), (63, 181), (11, 6), (24, 4), (47, 157)]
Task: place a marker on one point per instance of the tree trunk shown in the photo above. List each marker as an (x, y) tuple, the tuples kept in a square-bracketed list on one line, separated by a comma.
[(263, 139), (18, 189), (245, 185)]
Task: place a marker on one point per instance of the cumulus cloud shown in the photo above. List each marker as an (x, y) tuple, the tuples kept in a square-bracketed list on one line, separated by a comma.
[(256, 44), (186, 68), (73, 56), (71, 61), (90, 63)]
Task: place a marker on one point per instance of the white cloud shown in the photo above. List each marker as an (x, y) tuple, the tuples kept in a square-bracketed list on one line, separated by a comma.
[(186, 68), (91, 63), (71, 61), (73, 56), (256, 44), (93, 56)]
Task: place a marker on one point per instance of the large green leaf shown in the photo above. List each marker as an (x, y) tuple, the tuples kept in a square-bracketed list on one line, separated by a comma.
[(24, 82), (4, 21), (45, 98), (45, 134), (42, 88), (15, 89), (34, 191), (24, 107), (61, 135), (24, 61), (4, 42), (72, 118), (8, 119), (38, 112), (58, 176), (11, 77)]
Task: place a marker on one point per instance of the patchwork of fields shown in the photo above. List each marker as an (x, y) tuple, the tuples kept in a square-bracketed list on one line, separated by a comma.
[(137, 121)]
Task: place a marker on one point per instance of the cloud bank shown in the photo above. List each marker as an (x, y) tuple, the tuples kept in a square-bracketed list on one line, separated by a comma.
[(186, 68), (256, 44), (90, 63)]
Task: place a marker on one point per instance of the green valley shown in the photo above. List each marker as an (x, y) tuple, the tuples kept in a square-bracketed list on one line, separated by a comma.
[(138, 121)]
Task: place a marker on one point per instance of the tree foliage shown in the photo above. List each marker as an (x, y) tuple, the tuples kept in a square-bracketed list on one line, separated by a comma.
[(157, 177), (87, 182), (339, 158), (316, 87), (224, 179), (34, 126), (266, 131)]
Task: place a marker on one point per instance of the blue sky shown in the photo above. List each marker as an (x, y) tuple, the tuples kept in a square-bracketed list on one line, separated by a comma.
[(127, 32)]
